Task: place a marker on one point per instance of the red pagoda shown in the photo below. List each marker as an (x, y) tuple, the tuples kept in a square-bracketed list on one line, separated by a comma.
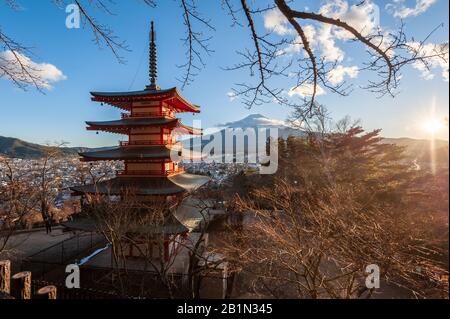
[(148, 122)]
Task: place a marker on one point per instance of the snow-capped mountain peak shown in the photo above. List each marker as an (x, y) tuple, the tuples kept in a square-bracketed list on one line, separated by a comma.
[(255, 120), (252, 121)]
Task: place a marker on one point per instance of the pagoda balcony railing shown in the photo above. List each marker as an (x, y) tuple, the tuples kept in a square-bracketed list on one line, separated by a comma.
[(148, 172), (146, 143), (146, 114)]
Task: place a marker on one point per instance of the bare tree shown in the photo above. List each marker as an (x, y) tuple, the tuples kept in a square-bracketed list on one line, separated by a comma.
[(387, 55), (387, 52), (137, 231), (114, 217), (204, 260), (47, 181), (92, 173), (26, 191), (310, 231), (14, 66), (17, 199)]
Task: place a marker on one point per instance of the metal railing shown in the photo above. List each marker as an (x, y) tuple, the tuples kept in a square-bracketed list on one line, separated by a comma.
[(145, 143), (148, 172), (80, 293), (69, 249), (150, 143), (146, 114)]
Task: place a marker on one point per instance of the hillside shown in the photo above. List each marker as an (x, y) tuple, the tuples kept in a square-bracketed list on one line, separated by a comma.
[(421, 149), (13, 147), (416, 149)]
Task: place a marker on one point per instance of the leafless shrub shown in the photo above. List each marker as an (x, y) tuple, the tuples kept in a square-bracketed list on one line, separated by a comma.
[(340, 202)]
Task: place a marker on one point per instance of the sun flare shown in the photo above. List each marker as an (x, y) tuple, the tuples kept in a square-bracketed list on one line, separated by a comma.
[(432, 126)]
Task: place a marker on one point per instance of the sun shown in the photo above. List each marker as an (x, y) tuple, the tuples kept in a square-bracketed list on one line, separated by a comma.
[(432, 126)]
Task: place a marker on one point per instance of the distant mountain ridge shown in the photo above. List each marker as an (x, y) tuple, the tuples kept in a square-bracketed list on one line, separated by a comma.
[(415, 148), (285, 129), (252, 121), (14, 147), (420, 149)]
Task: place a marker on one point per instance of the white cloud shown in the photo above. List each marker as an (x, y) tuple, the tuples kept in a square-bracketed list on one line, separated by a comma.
[(337, 74), (44, 74), (231, 96), (297, 44), (330, 52), (275, 21), (398, 8), (364, 18), (321, 39), (437, 62), (305, 90)]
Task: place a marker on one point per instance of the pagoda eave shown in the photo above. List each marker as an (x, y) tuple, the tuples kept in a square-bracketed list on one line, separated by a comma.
[(144, 153), (131, 95), (136, 159), (191, 130), (114, 130), (136, 122), (124, 100), (144, 186), (123, 126)]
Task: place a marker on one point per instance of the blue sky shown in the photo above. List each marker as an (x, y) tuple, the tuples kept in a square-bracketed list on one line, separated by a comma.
[(59, 114)]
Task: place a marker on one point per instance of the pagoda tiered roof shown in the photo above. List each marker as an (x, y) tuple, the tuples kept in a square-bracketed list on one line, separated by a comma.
[(169, 185), (123, 126), (150, 170), (151, 154), (170, 225), (129, 153), (130, 122), (124, 100), (137, 153)]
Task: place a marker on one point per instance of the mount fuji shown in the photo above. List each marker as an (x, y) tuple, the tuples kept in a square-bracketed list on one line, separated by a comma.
[(252, 121), (239, 129), (256, 121)]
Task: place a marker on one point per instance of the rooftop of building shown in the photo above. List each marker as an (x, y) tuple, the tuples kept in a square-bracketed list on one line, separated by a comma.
[(166, 185)]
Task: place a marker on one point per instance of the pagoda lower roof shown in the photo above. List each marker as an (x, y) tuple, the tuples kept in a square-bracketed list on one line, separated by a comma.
[(122, 125), (124, 99), (169, 185), (130, 122), (171, 225), (129, 153)]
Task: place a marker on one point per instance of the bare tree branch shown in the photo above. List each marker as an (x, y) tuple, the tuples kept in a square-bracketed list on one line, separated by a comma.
[(195, 41)]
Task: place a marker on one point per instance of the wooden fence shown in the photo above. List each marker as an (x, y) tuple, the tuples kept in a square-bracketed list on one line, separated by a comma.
[(22, 286), (19, 285)]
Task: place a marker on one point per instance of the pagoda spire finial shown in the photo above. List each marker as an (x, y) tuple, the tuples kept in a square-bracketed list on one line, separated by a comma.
[(153, 71)]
